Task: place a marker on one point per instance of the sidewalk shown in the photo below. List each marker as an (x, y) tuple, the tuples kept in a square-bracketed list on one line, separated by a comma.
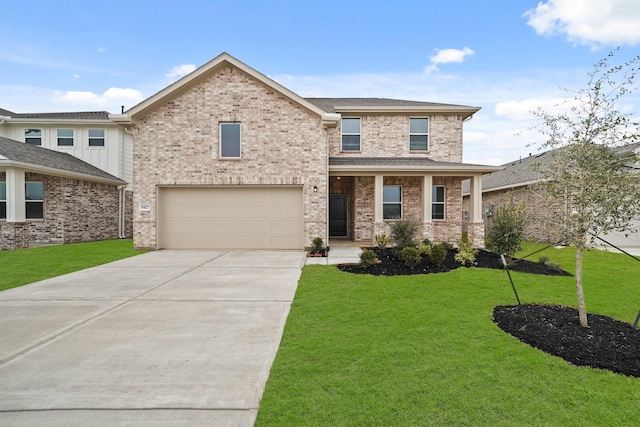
[(337, 255)]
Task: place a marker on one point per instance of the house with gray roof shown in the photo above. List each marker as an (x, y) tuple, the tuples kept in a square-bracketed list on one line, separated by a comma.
[(52, 197), (227, 158), (514, 183)]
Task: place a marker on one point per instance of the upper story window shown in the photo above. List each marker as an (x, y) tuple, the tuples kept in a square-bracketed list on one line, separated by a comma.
[(3, 200), (419, 134), (437, 202), (34, 199), (351, 134), (96, 138), (65, 137), (230, 140), (392, 202), (33, 136)]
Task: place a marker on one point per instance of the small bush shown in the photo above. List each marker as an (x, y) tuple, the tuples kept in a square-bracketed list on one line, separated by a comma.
[(438, 253), (316, 244), (367, 258), (448, 246), (403, 234), (382, 241), (424, 249), (543, 260), (410, 256), (466, 254), (506, 230), (426, 241), (546, 261)]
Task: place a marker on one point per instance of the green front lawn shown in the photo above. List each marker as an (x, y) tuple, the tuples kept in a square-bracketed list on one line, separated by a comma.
[(24, 266), (422, 350)]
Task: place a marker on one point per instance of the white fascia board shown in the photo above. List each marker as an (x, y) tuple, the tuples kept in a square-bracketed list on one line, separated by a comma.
[(463, 170), (57, 172), (60, 121), (331, 119), (121, 119), (466, 111)]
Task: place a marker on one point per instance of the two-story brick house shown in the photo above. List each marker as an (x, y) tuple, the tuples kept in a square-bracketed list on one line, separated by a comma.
[(87, 199), (228, 158)]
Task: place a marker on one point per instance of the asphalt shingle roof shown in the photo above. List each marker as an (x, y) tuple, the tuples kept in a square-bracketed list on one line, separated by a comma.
[(390, 161), (329, 104), (38, 156), (80, 115)]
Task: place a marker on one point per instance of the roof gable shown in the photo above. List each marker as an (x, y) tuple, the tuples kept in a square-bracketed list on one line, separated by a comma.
[(204, 72), (16, 153)]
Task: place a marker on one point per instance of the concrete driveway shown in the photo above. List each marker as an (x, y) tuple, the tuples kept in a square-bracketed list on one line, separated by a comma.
[(164, 338)]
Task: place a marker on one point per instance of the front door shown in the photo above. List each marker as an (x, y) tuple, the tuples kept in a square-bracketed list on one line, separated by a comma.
[(338, 215)]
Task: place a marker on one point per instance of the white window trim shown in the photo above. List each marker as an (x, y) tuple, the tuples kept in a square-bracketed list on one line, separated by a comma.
[(104, 139), (343, 133), (32, 137), (393, 203), (4, 200), (26, 201), (427, 134), (443, 203), (73, 138), (220, 156)]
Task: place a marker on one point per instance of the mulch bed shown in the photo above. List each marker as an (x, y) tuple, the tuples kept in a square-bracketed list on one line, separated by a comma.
[(390, 265), (606, 344)]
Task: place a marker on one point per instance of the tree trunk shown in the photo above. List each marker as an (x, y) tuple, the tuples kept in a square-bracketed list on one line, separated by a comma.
[(582, 309)]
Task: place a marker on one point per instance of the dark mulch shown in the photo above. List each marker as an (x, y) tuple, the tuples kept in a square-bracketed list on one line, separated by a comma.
[(606, 344), (390, 265)]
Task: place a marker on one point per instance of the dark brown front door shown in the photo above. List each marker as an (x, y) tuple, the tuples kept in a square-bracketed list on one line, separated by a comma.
[(337, 215)]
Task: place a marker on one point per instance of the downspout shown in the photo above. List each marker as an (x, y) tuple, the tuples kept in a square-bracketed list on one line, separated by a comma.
[(121, 212)]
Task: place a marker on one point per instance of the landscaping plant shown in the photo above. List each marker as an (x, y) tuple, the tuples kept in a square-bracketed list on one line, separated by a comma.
[(506, 230), (367, 258), (382, 241), (466, 253), (410, 256), (438, 253), (316, 244), (403, 234)]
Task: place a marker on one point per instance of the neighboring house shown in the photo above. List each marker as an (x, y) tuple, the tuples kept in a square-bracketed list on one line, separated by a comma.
[(89, 136), (49, 197), (514, 183), (228, 158)]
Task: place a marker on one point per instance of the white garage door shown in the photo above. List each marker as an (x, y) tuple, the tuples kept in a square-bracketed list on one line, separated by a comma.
[(230, 218)]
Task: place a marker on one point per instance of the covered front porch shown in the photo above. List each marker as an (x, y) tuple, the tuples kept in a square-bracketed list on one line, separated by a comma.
[(366, 195)]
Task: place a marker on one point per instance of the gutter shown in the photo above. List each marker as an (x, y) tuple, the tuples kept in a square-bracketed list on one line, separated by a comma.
[(122, 212)]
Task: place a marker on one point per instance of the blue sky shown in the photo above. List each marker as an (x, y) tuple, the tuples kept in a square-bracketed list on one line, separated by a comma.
[(506, 56)]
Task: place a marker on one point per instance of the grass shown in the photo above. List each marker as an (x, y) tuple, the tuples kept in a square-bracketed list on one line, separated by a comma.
[(422, 350), (24, 266)]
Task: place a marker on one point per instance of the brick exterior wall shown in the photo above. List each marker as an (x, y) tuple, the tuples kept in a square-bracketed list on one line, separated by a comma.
[(387, 135), (536, 212), (282, 143), (74, 211)]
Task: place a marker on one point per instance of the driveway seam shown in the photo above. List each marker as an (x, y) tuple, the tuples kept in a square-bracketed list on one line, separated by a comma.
[(98, 315)]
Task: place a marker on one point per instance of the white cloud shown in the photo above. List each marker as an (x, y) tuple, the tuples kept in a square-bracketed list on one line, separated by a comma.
[(445, 56), (111, 99), (522, 110), (76, 76), (101, 49), (180, 71), (588, 22)]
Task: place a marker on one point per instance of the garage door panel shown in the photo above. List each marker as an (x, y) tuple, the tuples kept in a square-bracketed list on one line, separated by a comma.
[(230, 218)]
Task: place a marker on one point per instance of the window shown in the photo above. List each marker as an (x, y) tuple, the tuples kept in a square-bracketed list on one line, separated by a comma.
[(419, 134), (3, 200), (437, 202), (230, 140), (34, 200), (33, 136), (351, 134), (96, 138), (65, 137), (391, 202)]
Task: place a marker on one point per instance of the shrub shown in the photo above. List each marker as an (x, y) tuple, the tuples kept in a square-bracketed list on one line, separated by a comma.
[(448, 246), (367, 258), (466, 254), (546, 261), (316, 244), (382, 241), (426, 241), (424, 249), (506, 230), (410, 256), (403, 234), (438, 253)]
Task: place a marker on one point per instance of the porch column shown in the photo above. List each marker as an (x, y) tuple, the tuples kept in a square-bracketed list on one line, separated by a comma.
[(15, 196), (475, 198), (427, 185), (475, 229), (378, 198)]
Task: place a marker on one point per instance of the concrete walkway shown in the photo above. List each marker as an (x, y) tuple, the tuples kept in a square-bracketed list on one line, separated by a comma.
[(338, 255), (165, 338)]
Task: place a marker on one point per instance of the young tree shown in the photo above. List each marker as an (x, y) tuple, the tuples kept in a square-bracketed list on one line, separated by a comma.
[(589, 183), (506, 230)]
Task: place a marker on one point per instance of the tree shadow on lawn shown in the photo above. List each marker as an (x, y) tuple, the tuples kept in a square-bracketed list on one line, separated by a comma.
[(607, 344)]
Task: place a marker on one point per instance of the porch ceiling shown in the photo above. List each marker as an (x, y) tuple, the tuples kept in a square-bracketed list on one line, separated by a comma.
[(359, 166)]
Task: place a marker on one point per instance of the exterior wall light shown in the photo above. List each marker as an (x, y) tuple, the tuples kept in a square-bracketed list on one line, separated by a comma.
[(315, 188)]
